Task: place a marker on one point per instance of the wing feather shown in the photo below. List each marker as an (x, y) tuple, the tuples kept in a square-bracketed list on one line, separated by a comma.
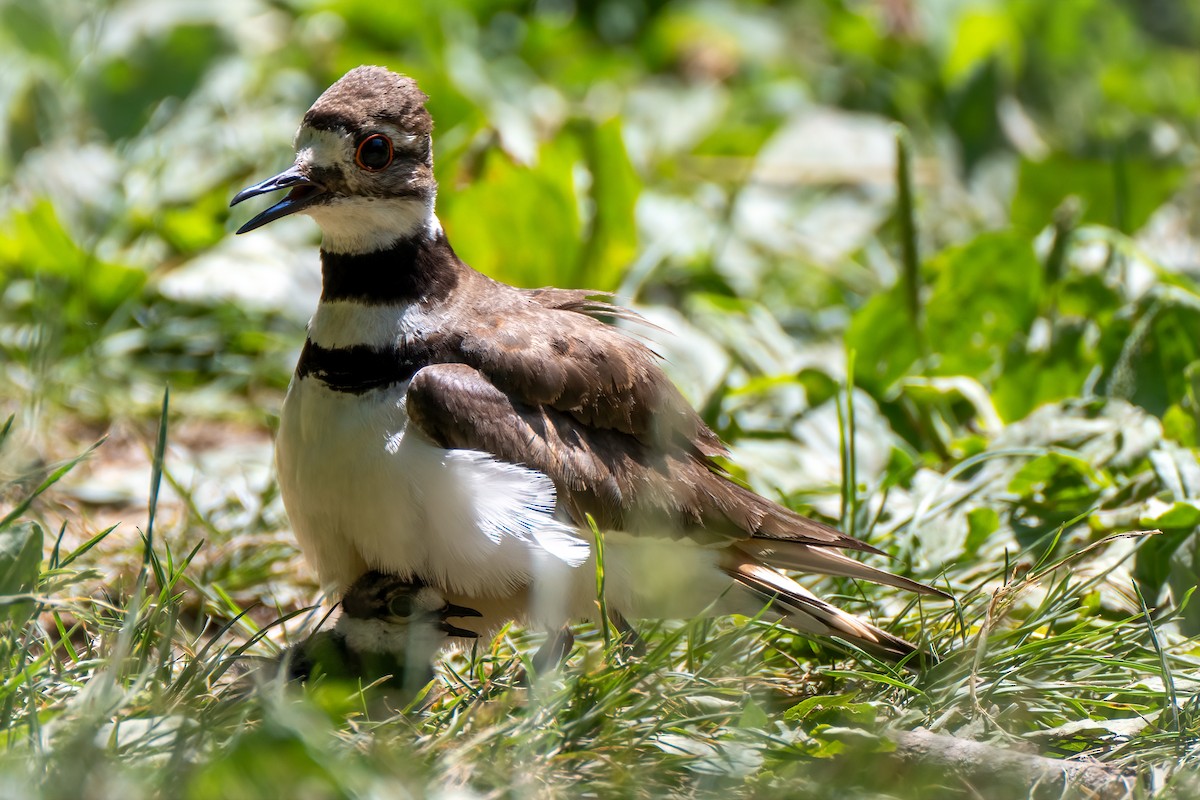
[(621, 481)]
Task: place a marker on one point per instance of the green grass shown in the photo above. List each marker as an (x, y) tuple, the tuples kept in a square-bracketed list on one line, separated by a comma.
[(121, 691), (973, 343)]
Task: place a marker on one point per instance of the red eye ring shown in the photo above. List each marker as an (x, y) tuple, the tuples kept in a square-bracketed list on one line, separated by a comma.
[(374, 153)]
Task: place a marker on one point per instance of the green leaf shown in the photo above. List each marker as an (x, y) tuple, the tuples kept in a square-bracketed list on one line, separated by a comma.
[(1179, 425), (567, 221), (984, 294), (982, 522), (20, 565), (195, 225), (123, 92), (1179, 515), (1151, 366), (1121, 193), (754, 717), (82, 290), (611, 241), (819, 387), (34, 242), (33, 28), (1052, 490), (983, 35), (882, 336), (520, 224), (1056, 371), (839, 708)]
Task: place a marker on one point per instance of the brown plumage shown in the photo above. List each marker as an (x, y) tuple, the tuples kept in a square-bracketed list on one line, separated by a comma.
[(419, 355), (367, 96)]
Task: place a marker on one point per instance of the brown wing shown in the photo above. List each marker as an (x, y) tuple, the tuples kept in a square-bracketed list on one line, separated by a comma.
[(546, 348), (622, 480)]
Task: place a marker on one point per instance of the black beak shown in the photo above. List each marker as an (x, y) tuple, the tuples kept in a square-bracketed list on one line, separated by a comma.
[(453, 610), (454, 630), (303, 194)]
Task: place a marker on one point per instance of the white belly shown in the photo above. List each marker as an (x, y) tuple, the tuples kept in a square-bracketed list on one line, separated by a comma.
[(645, 577), (362, 493)]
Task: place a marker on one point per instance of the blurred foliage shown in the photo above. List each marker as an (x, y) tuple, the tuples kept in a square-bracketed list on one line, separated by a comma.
[(1025, 359)]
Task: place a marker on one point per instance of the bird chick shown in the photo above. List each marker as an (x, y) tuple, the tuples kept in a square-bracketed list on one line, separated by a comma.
[(389, 629)]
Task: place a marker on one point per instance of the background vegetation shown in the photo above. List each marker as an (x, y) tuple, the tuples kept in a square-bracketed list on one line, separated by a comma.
[(983, 357)]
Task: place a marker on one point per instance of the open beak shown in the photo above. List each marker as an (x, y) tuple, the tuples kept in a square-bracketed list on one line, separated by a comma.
[(303, 194), (453, 610)]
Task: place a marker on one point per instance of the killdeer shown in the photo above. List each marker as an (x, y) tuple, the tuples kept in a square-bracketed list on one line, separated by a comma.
[(450, 429), (387, 628)]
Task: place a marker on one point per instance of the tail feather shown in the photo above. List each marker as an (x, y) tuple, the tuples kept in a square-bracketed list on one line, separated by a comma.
[(807, 613), (828, 561)]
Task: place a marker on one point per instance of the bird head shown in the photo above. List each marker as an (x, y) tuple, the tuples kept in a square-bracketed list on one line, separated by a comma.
[(364, 165), (387, 600), (389, 626)]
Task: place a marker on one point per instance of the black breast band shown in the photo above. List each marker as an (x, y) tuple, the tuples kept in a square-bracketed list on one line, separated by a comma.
[(358, 369)]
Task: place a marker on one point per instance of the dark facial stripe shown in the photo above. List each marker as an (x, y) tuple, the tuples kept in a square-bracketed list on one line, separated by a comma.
[(413, 270), (358, 369)]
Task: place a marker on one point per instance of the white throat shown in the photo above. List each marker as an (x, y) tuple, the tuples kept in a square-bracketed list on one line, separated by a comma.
[(370, 224)]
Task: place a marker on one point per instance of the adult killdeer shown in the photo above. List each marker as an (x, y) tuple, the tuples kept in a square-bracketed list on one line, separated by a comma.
[(387, 627), (447, 428)]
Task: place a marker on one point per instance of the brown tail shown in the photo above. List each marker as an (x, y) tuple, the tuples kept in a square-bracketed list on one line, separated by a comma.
[(807, 613), (821, 560)]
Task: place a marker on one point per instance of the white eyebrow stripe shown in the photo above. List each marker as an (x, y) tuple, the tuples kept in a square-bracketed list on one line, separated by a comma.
[(322, 147), (401, 140), (318, 146), (407, 141)]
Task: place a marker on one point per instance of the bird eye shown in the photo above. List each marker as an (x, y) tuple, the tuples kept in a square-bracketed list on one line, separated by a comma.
[(400, 606), (374, 152)]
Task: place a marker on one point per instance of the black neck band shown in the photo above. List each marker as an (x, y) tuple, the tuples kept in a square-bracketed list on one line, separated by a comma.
[(421, 269), (358, 369)]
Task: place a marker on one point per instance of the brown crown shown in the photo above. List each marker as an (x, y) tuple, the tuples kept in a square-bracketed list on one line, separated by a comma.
[(366, 96)]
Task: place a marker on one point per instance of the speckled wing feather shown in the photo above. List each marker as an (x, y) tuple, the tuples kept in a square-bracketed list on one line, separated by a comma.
[(623, 481), (545, 348)]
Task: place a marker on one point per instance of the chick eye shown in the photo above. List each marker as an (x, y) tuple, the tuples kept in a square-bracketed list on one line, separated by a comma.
[(400, 606), (374, 152)]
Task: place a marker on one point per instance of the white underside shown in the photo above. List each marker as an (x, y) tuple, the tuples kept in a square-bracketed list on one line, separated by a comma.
[(362, 492)]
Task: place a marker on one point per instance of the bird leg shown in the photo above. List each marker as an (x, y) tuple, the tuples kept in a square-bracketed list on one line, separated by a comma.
[(631, 644), (555, 651)]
